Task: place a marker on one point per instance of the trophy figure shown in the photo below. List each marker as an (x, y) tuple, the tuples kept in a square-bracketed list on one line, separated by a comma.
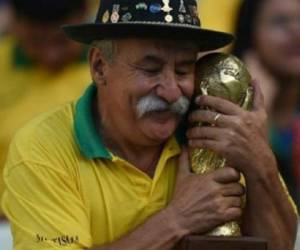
[(224, 76)]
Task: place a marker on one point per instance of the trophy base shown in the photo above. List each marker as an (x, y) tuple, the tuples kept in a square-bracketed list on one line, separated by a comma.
[(194, 242)]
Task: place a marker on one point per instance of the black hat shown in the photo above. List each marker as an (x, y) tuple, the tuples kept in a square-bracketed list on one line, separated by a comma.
[(163, 19)]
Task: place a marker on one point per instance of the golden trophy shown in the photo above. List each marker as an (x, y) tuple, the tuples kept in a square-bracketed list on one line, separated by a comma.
[(224, 76)]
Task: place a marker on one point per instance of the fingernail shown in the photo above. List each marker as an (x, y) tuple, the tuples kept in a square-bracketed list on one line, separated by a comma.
[(198, 99)]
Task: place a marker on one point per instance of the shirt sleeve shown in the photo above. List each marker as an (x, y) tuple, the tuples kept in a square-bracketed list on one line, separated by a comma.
[(290, 199), (43, 203), (289, 196)]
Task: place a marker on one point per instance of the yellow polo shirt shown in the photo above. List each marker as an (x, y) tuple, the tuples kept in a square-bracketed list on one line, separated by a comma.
[(66, 190), (26, 90)]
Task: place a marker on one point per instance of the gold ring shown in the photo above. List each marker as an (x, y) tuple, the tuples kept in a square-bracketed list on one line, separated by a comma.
[(216, 118)]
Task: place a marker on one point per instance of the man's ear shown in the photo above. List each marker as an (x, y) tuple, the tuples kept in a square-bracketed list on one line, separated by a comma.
[(98, 66)]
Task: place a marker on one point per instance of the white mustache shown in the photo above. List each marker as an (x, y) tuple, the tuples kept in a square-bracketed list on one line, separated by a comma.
[(152, 103)]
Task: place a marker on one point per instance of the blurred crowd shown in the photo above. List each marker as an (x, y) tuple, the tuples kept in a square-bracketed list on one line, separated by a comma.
[(40, 68)]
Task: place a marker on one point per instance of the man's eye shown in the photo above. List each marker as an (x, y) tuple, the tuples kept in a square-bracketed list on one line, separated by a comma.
[(181, 73), (151, 71), (186, 70)]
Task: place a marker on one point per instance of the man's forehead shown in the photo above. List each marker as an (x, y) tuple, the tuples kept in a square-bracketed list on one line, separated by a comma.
[(156, 44)]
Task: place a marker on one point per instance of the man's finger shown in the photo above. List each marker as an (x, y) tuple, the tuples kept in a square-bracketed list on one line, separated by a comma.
[(227, 175), (183, 165), (211, 133), (210, 117), (219, 104), (233, 189), (258, 100)]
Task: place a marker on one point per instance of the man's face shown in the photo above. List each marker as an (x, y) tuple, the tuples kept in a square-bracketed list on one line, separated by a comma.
[(144, 81), (46, 44)]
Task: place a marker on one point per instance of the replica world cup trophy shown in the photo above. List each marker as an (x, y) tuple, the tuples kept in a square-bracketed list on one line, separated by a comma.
[(224, 76)]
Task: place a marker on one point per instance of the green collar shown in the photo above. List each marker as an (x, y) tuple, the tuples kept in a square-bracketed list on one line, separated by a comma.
[(86, 134), (21, 60), (87, 137)]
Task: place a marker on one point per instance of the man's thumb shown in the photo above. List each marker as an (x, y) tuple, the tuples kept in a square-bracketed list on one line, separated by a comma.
[(183, 164)]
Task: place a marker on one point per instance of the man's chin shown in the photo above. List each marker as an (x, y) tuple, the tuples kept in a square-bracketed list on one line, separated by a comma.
[(162, 117), (161, 125)]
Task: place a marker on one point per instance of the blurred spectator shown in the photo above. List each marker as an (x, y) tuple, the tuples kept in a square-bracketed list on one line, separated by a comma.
[(39, 67), (4, 16), (268, 40)]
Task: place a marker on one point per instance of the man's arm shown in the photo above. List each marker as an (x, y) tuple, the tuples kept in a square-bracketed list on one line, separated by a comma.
[(241, 137), (269, 213), (159, 232), (199, 204)]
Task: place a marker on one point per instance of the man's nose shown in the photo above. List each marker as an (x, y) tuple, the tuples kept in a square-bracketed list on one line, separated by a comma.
[(169, 88)]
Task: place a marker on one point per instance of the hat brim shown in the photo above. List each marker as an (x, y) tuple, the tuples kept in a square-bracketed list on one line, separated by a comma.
[(205, 39)]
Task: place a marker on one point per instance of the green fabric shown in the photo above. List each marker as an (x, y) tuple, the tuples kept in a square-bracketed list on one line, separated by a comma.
[(83, 57), (87, 137), (282, 141), (20, 59)]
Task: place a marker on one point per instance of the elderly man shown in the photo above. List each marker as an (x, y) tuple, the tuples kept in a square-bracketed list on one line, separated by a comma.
[(110, 172)]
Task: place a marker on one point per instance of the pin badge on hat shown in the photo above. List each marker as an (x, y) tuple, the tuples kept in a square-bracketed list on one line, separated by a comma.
[(166, 8), (141, 6), (168, 18), (115, 13), (188, 18), (155, 8), (181, 18), (126, 17), (182, 8), (105, 17)]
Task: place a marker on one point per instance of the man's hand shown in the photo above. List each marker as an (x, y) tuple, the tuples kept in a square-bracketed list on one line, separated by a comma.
[(199, 204), (239, 135), (202, 202)]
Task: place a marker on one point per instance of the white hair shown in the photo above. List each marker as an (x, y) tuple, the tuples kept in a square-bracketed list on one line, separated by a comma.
[(151, 103), (108, 48)]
